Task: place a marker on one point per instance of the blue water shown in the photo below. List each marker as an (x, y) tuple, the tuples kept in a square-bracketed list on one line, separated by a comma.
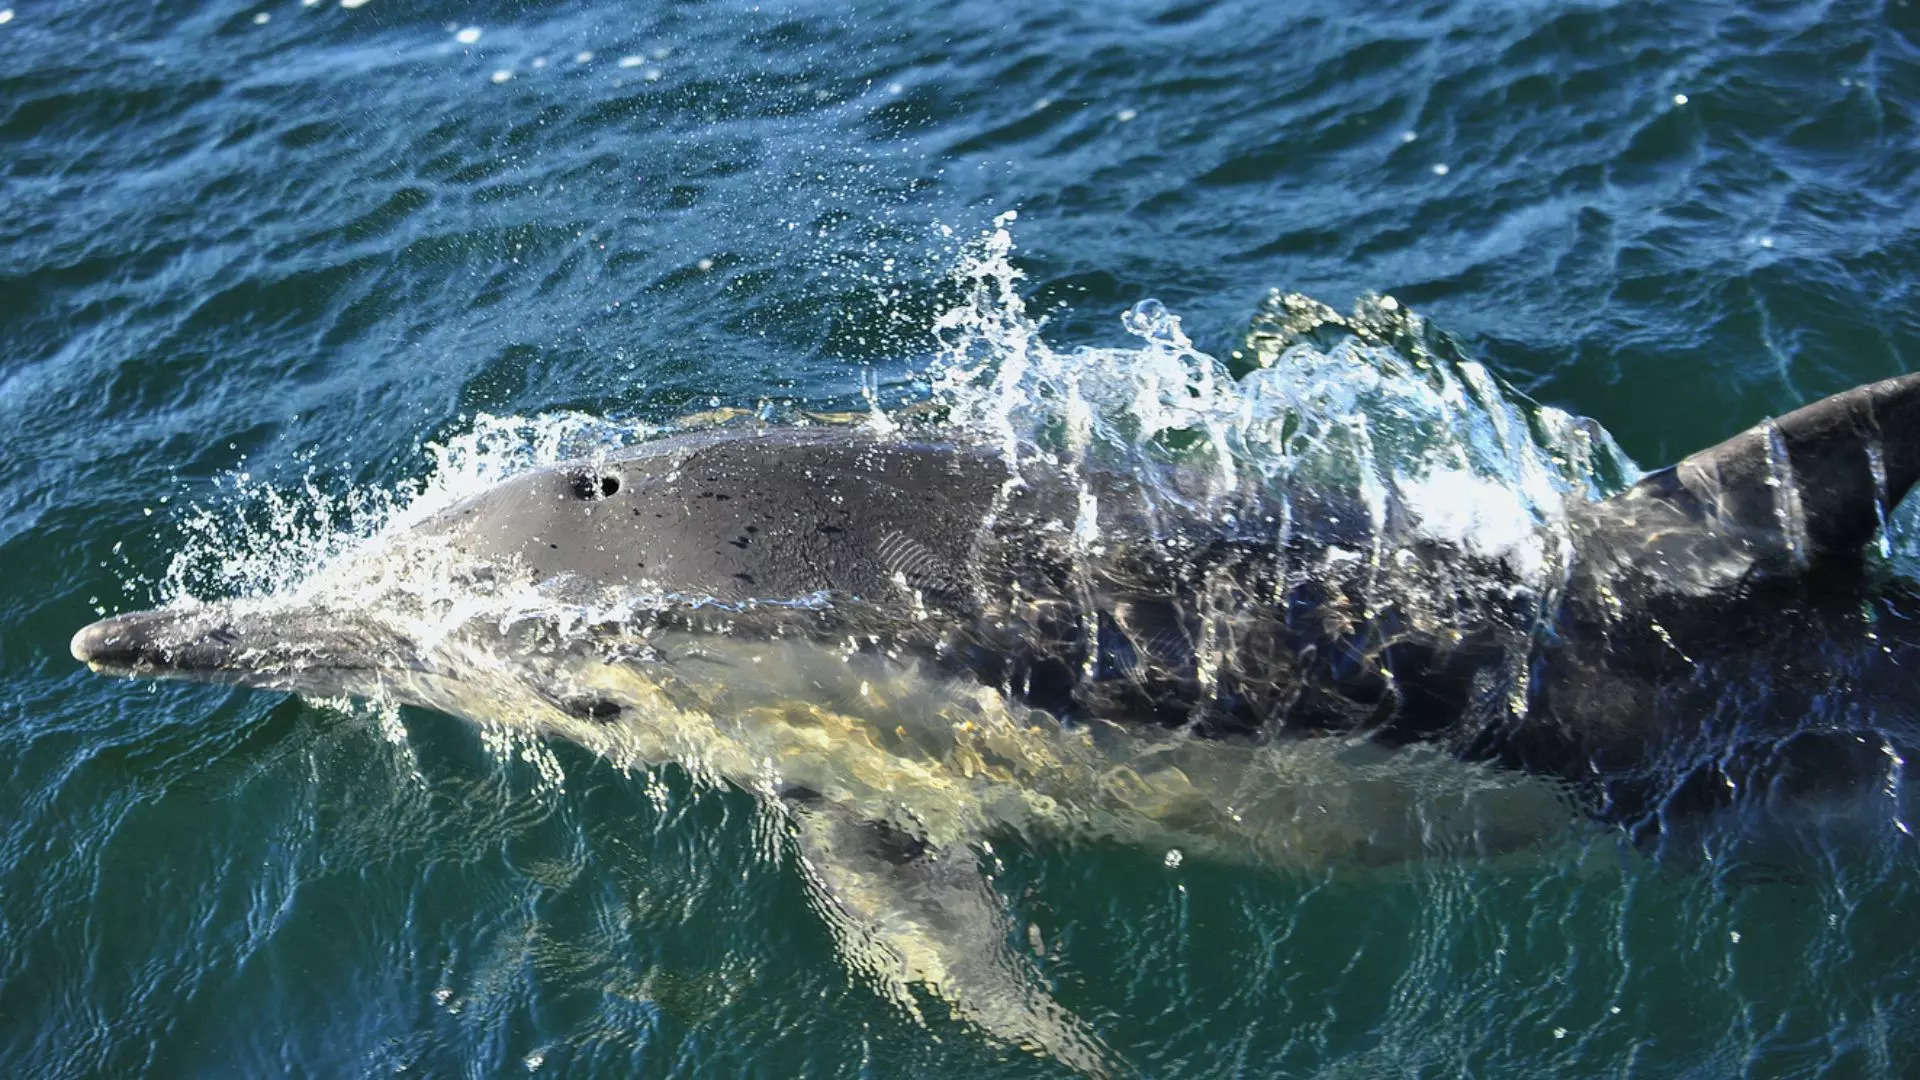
[(242, 252)]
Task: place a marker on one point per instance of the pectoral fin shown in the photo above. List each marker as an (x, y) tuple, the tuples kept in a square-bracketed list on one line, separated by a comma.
[(904, 911)]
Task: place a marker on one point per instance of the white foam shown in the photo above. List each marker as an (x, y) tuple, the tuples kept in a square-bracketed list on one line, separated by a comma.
[(1476, 514)]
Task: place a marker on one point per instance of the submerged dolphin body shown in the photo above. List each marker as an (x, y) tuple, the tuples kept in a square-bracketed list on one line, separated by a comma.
[(906, 643)]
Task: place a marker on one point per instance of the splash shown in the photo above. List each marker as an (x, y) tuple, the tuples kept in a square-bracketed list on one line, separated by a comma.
[(252, 538), (1375, 405)]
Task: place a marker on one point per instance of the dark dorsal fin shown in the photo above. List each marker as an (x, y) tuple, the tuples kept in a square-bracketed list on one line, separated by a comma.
[(1809, 488), (1805, 487), (1821, 479)]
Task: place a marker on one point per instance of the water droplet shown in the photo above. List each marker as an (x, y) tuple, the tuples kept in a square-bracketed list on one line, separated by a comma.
[(6, 16), (260, 19), (632, 60), (1440, 169), (468, 36), (1174, 858), (1679, 99), (584, 56), (1150, 320), (502, 76), (1125, 115)]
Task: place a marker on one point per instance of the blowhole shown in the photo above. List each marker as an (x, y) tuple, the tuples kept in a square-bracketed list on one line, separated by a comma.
[(595, 486)]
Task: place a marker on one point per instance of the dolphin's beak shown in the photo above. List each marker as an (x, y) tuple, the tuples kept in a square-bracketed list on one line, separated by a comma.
[(178, 642), (288, 649)]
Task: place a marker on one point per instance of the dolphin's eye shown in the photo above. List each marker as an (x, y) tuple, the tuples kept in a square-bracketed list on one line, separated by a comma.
[(591, 486)]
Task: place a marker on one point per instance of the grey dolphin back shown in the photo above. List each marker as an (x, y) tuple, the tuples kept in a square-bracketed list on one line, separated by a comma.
[(1816, 484), (779, 516)]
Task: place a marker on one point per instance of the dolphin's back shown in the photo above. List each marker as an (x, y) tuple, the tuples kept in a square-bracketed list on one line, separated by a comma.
[(738, 517)]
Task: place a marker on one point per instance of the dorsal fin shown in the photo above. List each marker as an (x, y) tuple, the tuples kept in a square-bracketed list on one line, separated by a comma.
[(1823, 477)]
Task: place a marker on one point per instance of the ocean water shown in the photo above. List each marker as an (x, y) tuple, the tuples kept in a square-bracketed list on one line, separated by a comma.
[(262, 259)]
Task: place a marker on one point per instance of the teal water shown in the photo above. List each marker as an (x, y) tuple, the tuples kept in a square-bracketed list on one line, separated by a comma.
[(243, 253)]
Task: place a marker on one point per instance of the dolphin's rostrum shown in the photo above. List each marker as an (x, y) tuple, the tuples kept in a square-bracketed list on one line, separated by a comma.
[(907, 641)]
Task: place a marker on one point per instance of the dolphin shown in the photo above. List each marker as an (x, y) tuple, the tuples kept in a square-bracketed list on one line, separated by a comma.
[(907, 641)]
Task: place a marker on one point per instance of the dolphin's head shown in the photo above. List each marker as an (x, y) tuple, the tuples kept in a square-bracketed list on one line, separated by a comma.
[(673, 550)]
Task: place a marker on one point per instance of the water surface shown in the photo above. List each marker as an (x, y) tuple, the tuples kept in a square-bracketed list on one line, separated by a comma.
[(242, 252)]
